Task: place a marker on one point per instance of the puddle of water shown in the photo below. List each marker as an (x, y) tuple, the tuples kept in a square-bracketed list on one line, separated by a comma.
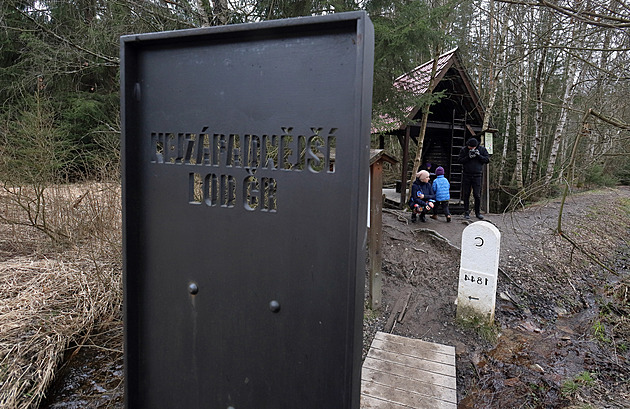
[(530, 365), (524, 368), (91, 379)]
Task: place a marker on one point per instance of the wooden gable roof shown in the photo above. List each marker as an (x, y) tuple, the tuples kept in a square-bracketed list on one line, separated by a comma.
[(453, 78)]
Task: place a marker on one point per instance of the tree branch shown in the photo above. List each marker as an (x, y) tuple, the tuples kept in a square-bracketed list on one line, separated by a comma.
[(588, 113), (587, 17), (587, 254), (612, 121), (66, 41)]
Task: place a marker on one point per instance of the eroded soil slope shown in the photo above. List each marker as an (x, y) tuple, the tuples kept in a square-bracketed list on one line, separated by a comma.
[(562, 334)]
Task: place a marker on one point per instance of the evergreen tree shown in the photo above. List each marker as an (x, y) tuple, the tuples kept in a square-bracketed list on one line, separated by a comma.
[(68, 49), (406, 35)]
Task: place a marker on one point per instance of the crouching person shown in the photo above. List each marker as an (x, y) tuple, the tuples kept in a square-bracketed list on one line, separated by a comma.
[(422, 196)]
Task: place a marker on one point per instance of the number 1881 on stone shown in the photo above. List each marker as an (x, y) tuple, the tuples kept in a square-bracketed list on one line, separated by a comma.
[(476, 279)]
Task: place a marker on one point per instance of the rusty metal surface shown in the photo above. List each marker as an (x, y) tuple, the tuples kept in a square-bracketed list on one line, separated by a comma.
[(243, 273)]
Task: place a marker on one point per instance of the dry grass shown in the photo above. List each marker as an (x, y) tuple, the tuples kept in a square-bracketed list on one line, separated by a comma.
[(54, 293)]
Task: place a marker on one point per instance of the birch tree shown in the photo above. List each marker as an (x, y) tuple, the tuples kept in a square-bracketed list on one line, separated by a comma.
[(519, 105), (578, 48), (518, 129), (571, 77), (497, 53), (539, 84), (506, 139), (538, 121)]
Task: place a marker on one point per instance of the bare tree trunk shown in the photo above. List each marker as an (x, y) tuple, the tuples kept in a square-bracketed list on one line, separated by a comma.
[(491, 101), (425, 116), (221, 11), (519, 103), (492, 86), (506, 138), (572, 75), (504, 72), (533, 157), (526, 131), (518, 169), (604, 141), (205, 19)]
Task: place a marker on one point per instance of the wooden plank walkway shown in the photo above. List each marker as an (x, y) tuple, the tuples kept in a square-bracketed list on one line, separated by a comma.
[(404, 373)]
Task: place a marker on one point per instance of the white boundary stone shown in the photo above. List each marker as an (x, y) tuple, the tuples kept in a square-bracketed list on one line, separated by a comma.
[(479, 267)]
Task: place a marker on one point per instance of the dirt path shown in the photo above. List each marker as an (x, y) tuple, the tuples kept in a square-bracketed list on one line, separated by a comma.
[(562, 335)]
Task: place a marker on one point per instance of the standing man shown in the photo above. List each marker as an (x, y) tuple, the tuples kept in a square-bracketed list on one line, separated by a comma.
[(472, 157)]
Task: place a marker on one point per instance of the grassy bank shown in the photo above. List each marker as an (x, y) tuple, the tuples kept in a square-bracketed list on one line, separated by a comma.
[(60, 278)]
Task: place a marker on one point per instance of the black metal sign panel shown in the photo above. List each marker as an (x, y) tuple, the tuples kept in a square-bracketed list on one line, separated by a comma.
[(245, 167)]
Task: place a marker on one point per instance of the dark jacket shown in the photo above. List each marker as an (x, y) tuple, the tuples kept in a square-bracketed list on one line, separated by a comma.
[(473, 165), (426, 189)]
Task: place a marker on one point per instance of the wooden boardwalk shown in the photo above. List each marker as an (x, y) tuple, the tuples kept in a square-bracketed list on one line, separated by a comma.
[(404, 373)]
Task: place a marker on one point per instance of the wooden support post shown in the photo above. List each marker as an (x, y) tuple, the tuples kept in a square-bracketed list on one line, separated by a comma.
[(403, 179), (375, 232)]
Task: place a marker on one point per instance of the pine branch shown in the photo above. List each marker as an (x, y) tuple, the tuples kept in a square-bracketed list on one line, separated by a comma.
[(68, 42)]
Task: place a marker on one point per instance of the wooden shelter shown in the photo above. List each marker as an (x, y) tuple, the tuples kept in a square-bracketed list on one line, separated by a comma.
[(455, 119)]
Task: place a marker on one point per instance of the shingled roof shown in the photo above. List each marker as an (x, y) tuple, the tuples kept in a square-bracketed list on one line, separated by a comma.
[(417, 82)]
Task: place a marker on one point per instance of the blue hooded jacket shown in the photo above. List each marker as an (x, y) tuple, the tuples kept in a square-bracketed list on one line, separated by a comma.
[(441, 187)]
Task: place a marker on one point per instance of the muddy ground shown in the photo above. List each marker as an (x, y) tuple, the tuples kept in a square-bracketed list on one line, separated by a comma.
[(561, 337)]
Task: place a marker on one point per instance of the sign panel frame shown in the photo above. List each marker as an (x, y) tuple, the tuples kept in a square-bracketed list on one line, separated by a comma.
[(245, 161)]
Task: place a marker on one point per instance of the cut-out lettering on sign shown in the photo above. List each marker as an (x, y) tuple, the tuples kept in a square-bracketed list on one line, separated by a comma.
[(226, 155), (245, 158)]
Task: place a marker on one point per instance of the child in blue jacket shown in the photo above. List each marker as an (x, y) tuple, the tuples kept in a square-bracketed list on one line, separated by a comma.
[(441, 187), (422, 196)]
